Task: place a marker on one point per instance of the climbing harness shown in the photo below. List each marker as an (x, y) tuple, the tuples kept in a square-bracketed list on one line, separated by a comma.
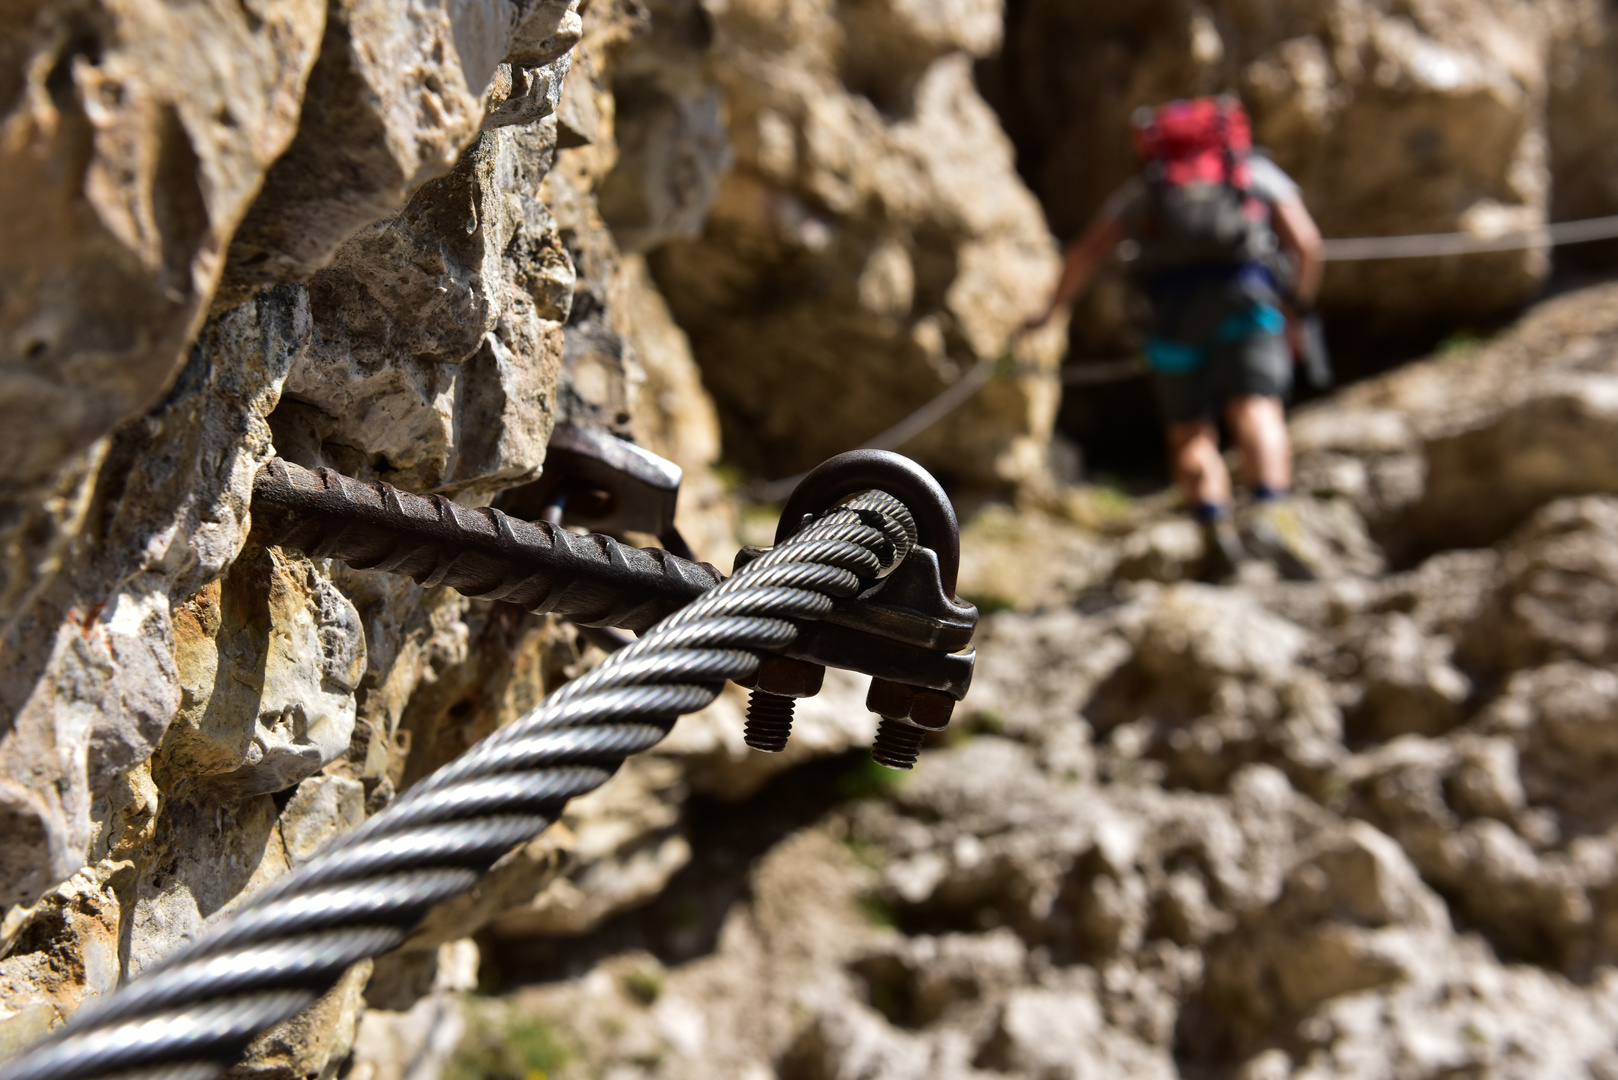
[(862, 576)]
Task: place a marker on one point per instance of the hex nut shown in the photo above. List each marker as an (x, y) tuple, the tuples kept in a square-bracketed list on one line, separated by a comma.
[(787, 677), (923, 707)]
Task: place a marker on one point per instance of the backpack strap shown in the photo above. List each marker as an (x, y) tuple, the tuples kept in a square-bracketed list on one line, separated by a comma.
[(1236, 177), (1154, 180)]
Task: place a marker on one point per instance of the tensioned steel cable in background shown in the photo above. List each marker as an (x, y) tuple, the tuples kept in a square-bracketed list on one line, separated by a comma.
[(1433, 245), (191, 1015), (1340, 249), (958, 393), (953, 397)]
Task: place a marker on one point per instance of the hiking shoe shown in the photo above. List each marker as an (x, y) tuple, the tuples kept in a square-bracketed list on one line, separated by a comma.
[(1223, 552), (1275, 533)]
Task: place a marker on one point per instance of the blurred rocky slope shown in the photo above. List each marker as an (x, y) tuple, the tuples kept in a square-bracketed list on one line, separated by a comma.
[(864, 243), (1358, 827)]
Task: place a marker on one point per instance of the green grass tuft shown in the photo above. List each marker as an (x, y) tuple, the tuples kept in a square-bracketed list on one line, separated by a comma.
[(524, 1048), (878, 912), (867, 780), (645, 985)]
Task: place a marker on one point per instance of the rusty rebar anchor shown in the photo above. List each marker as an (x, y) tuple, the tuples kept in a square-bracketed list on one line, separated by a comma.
[(593, 579), (908, 631)]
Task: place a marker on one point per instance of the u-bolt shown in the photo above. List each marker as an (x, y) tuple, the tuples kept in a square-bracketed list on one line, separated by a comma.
[(858, 470), (906, 712)]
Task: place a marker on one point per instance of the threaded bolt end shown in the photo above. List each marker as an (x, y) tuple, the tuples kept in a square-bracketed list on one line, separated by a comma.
[(897, 745), (769, 721)]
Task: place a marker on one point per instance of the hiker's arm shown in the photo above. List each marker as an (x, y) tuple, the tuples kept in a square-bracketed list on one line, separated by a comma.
[(1079, 265), (1301, 238)]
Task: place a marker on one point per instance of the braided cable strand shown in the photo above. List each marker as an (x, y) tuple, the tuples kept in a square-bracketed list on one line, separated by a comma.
[(191, 1015)]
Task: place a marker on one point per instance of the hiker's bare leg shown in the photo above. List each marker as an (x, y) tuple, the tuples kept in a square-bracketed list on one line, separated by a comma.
[(1259, 426), (1198, 468)]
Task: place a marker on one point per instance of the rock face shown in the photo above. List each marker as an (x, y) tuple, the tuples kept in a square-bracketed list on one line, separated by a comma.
[(123, 183), (397, 268), (1433, 460), (869, 246), (188, 714)]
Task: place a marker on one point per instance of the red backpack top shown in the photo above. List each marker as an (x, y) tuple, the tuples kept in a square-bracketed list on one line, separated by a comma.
[(1197, 140), (1202, 210)]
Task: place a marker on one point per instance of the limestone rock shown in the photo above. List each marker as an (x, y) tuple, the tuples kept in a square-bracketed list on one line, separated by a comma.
[(256, 716), (1435, 460), (891, 234), (405, 1045), (1555, 591), (1361, 825), (674, 416), (1030, 558), (438, 332), (1062, 1030), (1168, 551), (1356, 826), (77, 919), (320, 811), (315, 1042), (628, 846), (90, 676), (397, 94), (136, 136), (190, 713), (1323, 938), (1411, 685), (1578, 121), (669, 127), (209, 856)]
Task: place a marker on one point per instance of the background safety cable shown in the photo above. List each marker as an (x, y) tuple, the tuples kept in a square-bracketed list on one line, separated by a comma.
[(1432, 245)]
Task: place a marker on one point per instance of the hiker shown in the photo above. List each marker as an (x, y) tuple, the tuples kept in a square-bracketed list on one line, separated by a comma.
[(1230, 260)]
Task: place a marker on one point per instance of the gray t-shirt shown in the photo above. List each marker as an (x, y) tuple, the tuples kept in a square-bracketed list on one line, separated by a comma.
[(1128, 204)]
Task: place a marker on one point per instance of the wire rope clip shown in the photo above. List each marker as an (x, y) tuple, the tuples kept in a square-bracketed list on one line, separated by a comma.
[(908, 631)]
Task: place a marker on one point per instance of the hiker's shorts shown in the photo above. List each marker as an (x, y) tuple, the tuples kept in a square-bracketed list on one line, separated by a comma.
[(1194, 383)]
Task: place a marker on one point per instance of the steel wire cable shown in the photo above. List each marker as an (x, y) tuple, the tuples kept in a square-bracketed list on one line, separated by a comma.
[(1433, 245), (190, 1016)]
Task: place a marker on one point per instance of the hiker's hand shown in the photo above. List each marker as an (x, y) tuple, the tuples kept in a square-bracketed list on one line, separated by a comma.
[(1295, 336)]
